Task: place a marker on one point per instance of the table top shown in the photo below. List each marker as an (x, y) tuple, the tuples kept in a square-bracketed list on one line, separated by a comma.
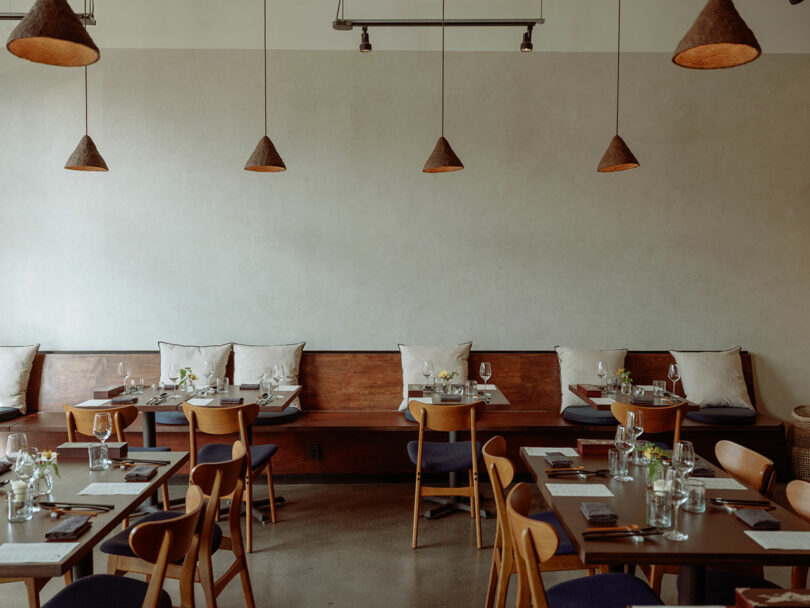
[(497, 400), (75, 476), (715, 536), (668, 399)]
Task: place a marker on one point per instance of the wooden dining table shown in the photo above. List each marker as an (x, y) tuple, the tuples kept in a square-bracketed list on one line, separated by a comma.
[(603, 402), (716, 537), (76, 476)]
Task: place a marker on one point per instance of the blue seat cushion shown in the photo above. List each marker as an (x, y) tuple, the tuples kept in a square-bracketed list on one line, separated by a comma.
[(119, 543), (720, 585), (566, 547), (220, 452), (409, 417), (7, 413), (585, 414), (443, 456), (613, 590), (103, 591), (288, 414), (175, 418), (724, 415), (156, 449)]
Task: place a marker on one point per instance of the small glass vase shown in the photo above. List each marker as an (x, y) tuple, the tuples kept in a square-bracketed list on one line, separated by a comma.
[(627, 388), (20, 500), (43, 483)]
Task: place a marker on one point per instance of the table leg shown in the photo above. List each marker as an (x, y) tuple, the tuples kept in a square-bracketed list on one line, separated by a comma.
[(149, 431), (691, 584), (84, 567)]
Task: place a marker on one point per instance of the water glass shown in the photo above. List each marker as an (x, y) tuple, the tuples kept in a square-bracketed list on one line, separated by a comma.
[(659, 510), (638, 391), (15, 443), (614, 466), (97, 454), (222, 385), (20, 502), (659, 386), (458, 389), (471, 388), (696, 501)]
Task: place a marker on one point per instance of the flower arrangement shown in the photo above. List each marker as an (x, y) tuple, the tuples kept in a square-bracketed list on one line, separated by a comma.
[(624, 376), (187, 378), (46, 459), (657, 458), (446, 376)]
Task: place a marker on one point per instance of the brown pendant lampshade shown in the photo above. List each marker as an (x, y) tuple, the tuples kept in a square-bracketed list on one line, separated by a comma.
[(86, 157), (265, 157), (617, 157), (442, 159), (718, 38), (52, 33)]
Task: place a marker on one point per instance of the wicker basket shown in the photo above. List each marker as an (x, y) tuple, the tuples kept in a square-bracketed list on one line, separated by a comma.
[(799, 442)]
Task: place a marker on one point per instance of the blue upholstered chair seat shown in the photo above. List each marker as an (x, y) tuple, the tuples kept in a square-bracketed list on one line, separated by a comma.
[(409, 417), (103, 591), (724, 415), (220, 452), (175, 418), (602, 591), (566, 547), (119, 544), (288, 414), (585, 414), (7, 413), (720, 585), (443, 456)]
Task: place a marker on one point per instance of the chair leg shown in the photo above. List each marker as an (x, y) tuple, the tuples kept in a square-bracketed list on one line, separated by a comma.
[(494, 569), (416, 496), (798, 577), (112, 565), (507, 567), (470, 478), (249, 516), (206, 571), (68, 577), (271, 491), (656, 576), (475, 505), (247, 588), (32, 588), (164, 490)]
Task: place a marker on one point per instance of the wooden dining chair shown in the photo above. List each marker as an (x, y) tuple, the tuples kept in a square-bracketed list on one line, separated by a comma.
[(158, 542), (798, 495), (226, 421), (501, 472), (657, 419), (750, 468), (216, 481), (446, 457), (536, 542)]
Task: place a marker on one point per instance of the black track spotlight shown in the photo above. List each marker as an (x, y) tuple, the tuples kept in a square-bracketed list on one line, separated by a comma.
[(526, 46), (365, 45)]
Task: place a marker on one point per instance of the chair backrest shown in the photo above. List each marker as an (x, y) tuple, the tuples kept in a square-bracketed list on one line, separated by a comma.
[(168, 541), (534, 541), (747, 466), (436, 417), (657, 419), (501, 473), (80, 419), (798, 495), (221, 420)]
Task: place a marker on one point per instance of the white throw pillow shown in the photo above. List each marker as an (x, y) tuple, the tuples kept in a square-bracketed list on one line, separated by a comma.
[(193, 357), (15, 369), (713, 378), (578, 366), (451, 358), (251, 362)]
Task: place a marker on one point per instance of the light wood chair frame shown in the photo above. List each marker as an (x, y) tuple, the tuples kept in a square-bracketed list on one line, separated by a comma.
[(226, 421), (657, 419), (447, 418), (750, 468)]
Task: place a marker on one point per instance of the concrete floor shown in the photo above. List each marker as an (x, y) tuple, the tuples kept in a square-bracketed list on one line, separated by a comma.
[(345, 545)]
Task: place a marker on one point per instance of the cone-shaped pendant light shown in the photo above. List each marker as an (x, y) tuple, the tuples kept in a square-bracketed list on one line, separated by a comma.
[(265, 157), (52, 33), (718, 38), (618, 156), (442, 159)]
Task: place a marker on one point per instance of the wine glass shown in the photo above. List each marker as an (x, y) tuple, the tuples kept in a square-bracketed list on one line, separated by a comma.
[(676, 483), (278, 375), (602, 370), (26, 464), (15, 443), (637, 426), (124, 372), (427, 372), (266, 383), (623, 441), (102, 426), (208, 370), (485, 371), (174, 376), (674, 375), (683, 457)]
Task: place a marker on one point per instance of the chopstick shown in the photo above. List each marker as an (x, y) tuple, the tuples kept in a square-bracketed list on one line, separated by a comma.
[(566, 473), (71, 505), (140, 460), (621, 534), (613, 528), (741, 501), (59, 512)]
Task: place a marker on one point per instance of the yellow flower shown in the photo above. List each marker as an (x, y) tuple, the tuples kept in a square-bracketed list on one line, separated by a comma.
[(443, 374), (193, 376)]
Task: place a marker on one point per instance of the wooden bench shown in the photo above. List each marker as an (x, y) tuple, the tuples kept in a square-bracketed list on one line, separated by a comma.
[(350, 401)]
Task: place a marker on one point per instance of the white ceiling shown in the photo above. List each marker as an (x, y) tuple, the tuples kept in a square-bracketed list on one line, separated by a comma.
[(571, 25)]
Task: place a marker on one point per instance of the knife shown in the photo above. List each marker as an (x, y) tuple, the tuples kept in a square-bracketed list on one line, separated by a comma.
[(75, 505), (741, 501), (140, 460)]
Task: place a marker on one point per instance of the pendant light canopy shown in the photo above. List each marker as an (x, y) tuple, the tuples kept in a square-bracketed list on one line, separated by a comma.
[(442, 159), (718, 38), (265, 157), (86, 157), (618, 156), (52, 33)]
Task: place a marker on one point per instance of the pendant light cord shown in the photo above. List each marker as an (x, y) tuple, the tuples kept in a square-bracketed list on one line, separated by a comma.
[(85, 74), (265, 68), (618, 64), (443, 68)]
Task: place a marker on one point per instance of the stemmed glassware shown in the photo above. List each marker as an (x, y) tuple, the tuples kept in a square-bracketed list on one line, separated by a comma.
[(683, 457), (674, 375), (208, 370), (427, 372), (602, 370), (15, 443), (678, 492), (26, 464), (485, 372), (278, 374), (124, 372), (102, 426), (174, 376), (623, 441), (636, 424)]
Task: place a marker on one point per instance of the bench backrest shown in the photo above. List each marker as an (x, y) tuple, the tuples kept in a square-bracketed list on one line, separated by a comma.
[(339, 380)]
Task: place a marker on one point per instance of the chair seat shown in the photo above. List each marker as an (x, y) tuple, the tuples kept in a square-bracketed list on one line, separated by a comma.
[(724, 415), (720, 585), (585, 414), (156, 449), (119, 544), (409, 417), (220, 452), (566, 547), (602, 591), (175, 418), (288, 414), (7, 413), (103, 591), (443, 456)]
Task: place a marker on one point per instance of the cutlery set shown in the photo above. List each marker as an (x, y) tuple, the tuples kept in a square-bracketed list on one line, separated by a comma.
[(157, 400), (577, 472), (58, 509), (131, 462), (631, 531)]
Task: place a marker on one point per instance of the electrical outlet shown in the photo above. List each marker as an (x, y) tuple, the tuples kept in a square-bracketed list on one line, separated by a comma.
[(315, 451)]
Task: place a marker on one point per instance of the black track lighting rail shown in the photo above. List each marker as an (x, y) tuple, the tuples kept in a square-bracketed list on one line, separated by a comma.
[(88, 18), (349, 24)]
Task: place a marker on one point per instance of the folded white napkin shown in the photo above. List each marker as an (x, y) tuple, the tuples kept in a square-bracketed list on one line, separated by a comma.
[(94, 403), (487, 387), (200, 402), (288, 387)]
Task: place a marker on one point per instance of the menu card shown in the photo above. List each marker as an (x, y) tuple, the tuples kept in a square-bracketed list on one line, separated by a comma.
[(578, 489), (570, 452), (200, 402), (110, 489), (799, 541), (94, 403), (28, 553), (603, 400), (721, 483)]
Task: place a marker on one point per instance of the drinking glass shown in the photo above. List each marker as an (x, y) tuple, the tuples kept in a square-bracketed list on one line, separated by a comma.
[(15, 443), (683, 457), (102, 426), (602, 370), (266, 384), (278, 374), (637, 426), (174, 376), (696, 503), (674, 375), (677, 495), (208, 370), (141, 386), (659, 386), (124, 372), (26, 464), (485, 371), (427, 372), (624, 445)]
